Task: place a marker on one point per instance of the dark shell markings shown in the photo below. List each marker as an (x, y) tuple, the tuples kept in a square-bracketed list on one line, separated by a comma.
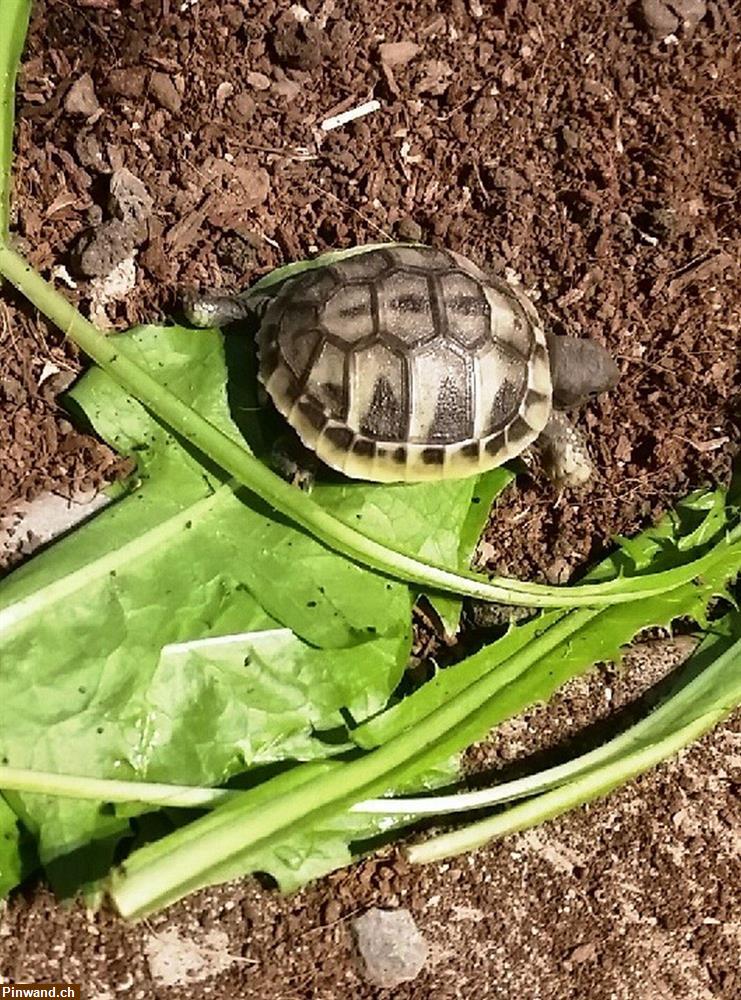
[(406, 363)]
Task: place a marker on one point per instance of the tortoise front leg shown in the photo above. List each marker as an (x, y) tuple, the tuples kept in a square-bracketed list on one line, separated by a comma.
[(564, 454), (217, 310)]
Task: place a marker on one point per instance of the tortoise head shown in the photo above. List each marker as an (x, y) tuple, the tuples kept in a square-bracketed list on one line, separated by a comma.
[(579, 369)]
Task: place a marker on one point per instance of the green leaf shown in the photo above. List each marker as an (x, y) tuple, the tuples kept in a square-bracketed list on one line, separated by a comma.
[(524, 667), (262, 696), (600, 639)]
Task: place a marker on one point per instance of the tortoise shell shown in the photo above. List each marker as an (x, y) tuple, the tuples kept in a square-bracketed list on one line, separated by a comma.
[(406, 363)]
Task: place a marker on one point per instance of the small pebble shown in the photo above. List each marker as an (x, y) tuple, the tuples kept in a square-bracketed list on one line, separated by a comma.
[(98, 253), (391, 946), (583, 953), (88, 152), (165, 92), (223, 92), (691, 12), (658, 18), (242, 108), (80, 99), (258, 81), (129, 199), (408, 229)]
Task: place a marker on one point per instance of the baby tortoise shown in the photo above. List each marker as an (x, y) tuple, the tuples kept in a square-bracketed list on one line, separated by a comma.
[(407, 363)]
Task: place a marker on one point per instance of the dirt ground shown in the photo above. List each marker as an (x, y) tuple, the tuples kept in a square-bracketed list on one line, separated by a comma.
[(571, 146)]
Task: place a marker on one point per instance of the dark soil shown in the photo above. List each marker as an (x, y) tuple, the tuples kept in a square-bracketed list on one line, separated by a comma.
[(564, 145)]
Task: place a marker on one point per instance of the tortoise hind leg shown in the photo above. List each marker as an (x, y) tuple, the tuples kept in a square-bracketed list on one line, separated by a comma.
[(294, 462)]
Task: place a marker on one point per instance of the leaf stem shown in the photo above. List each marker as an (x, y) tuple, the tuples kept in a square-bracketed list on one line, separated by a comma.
[(14, 17), (76, 786), (335, 534), (718, 679), (592, 785)]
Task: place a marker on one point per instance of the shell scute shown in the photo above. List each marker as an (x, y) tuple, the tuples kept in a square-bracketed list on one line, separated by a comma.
[(467, 310), (406, 363), (378, 393), (405, 309), (442, 386), (349, 314), (298, 343)]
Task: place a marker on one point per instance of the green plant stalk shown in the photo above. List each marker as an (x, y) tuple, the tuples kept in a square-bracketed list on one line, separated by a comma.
[(159, 873), (14, 15), (710, 696), (663, 718), (77, 786), (335, 534), (669, 714), (592, 785)]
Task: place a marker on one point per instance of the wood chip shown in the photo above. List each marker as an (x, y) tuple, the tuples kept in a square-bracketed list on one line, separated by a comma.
[(398, 53), (185, 230), (697, 272), (705, 446), (63, 200)]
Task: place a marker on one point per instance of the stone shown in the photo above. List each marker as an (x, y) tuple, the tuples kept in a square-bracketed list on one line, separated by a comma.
[(223, 92), (258, 81), (165, 92), (129, 199), (89, 153), (691, 12), (409, 230), (392, 948), (99, 252), (398, 53), (658, 18), (80, 99)]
